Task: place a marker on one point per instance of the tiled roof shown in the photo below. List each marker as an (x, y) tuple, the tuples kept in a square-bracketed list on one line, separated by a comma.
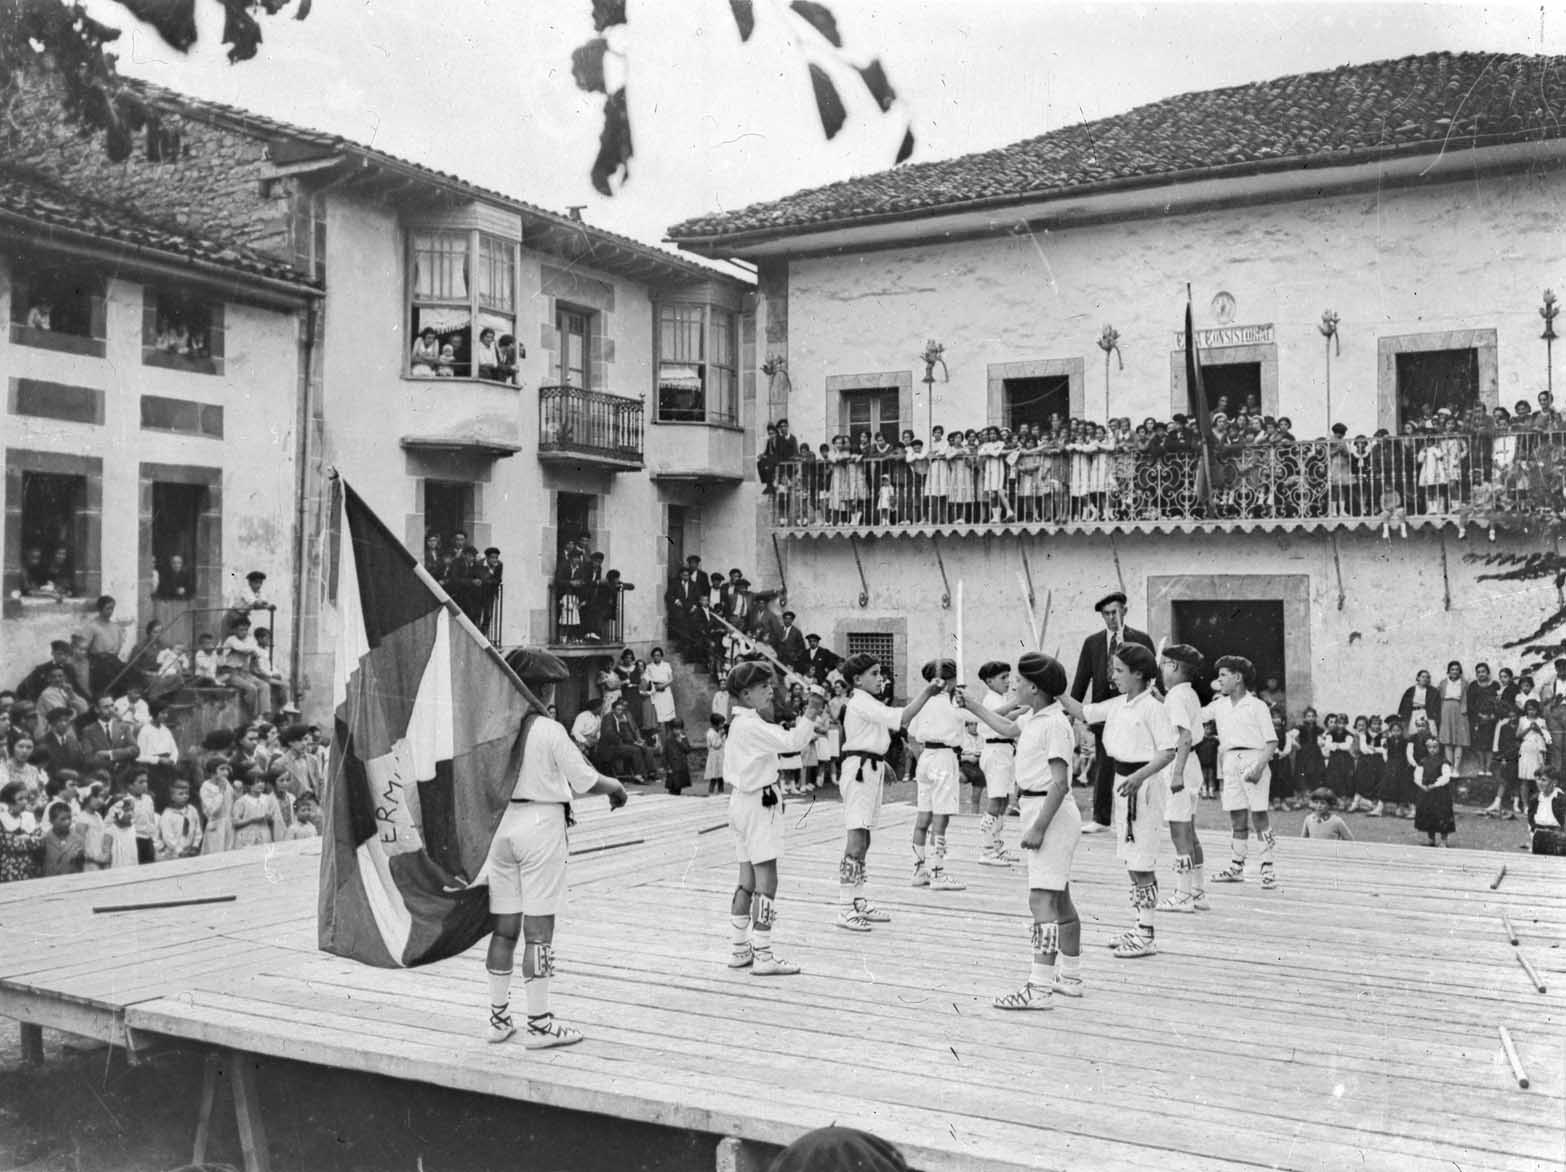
[(43, 207), (1413, 105), (326, 143)]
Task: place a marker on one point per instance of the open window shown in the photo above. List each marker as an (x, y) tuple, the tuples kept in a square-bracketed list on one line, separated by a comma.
[(53, 506), (182, 331), (698, 369), (463, 314), (58, 307)]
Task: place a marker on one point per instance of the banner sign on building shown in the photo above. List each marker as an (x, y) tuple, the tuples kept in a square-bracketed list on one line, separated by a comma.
[(1221, 336)]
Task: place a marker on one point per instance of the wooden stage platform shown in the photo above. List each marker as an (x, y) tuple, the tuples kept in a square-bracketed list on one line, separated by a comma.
[(1347, 1020)]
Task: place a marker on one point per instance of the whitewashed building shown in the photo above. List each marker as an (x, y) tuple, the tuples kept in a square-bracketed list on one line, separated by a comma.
[(1419, 201)]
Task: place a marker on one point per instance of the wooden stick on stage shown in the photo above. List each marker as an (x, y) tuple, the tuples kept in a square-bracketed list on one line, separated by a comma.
[(147, 907), (1511, 1056), (1501, 874), (1533, 973), (1511, 932), (721, 825), (608, 846)]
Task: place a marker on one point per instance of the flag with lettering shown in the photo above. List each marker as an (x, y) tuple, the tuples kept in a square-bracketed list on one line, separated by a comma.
[(1198, 402), (430, 725)]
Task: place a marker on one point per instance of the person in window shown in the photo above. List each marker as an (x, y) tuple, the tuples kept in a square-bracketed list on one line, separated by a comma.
[(434, 555), (62, 572), (426, 354), (488, 356), (507, 355), (176, 580), (40, 315), (491, 574), (173, 337), (446, 365)]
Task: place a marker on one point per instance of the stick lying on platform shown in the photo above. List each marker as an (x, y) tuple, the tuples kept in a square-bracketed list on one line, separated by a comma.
[(1501, 874), (1533, 973), (608, 846), (147, 907), (1511, 932), (1511, 1056)]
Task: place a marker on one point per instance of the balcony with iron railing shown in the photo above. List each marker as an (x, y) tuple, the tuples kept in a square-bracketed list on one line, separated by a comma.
[(585, 617), (576, 426), (1392, 483)]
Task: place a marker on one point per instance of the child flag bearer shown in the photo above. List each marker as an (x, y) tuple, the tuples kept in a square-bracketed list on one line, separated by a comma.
[(1180, 664), (1140, 743), (939, 730), (1046, 747), (750, 768), (997, 762), (867, 735), (1246, 743)]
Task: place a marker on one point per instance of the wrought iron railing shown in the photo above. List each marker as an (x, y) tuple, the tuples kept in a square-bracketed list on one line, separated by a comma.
[(589, 423), (492, 610), (586, 614), (1468, 475)]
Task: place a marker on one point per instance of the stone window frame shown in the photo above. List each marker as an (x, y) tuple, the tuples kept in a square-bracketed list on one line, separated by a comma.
[(838, 385), (897, 628), (89, 553), (1484, 340), (1266, 354), (217, 332), (208, 540), (94, 344), (477, 234), (996, 374)]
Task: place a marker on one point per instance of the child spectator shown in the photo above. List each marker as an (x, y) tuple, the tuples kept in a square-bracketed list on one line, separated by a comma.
[(1321, 822), (65, 849), (90, 822), (1207, 758), (179, 826), (307, 818), (1370, 766), (207, 663), (145, 816), (1533, 741), (1547, 817), (716, 736), (1504, 749), (1433, 808), (217, 805), (241, 656), (120, 847), (267, 672), (21, 841), (1397, 784), (132, 706), (676, 757), (446, 366), (254, 813)]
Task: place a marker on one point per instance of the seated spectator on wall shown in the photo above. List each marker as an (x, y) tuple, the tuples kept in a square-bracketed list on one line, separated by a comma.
[(105, 638), (37, 680), (241, 657), (58, 695)]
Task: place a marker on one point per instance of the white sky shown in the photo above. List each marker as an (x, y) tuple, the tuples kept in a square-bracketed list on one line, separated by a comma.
[(483, 88)]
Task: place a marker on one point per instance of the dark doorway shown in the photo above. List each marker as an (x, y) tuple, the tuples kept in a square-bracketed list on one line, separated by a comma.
[(678, 514), (573, 520), (1428, 380), (1251, 629), (1034, 400), (448, 509), (1238, 382), (176, 515)]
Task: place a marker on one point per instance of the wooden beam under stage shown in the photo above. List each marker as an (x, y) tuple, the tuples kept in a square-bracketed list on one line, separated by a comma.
[(1347, 1020)]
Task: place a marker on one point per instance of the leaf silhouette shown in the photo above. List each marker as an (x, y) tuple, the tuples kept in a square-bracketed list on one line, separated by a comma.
[(607, 13), (587, 65), (744, 17), (304, 9), (240, 31), (907, 147), (175, 20), (614, 144), (875, 81), (820, 18), (828, 104)]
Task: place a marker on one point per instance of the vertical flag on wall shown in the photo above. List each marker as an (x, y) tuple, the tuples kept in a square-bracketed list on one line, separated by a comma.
[(428, 736), (1199, 411)]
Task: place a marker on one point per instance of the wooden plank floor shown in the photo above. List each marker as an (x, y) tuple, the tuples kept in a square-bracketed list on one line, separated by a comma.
[(1346, 1020)]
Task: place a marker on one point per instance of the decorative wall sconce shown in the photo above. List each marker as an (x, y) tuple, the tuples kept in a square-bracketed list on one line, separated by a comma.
[(932, 357), (1329, 334), (1549, 311), (1109, 343)]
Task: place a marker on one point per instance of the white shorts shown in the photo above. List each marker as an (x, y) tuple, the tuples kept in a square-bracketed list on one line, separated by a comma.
[(861, 785), (1239, 794), (1049, 867), (758, 829), (1181, 807), (527, 860), (999, 765), (939, 781), (1141, 853)]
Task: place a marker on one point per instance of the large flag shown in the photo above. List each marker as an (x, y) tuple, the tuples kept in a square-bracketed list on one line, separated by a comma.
[(430, 725), (1199, 412)]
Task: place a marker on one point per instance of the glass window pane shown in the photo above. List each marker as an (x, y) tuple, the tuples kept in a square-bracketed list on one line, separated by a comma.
[(497, 273), (440, 266)]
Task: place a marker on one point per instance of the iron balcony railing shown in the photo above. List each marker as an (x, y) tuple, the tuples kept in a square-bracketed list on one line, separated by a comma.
[(590, 423), (588, 614), (1457, 474)]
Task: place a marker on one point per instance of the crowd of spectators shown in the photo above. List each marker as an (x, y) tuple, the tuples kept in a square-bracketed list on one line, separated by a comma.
[(472, 580), (1474, 464), (588, 604)]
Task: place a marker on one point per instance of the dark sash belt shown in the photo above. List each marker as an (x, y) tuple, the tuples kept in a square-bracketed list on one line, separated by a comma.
[(1126, 769)]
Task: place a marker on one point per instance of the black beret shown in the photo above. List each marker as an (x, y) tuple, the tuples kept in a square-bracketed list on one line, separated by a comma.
[(1116, 596), (536, 667)]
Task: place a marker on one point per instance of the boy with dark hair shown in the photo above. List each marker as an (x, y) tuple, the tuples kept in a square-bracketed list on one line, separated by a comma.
[(939, 729), (1180, 664), (1246, 744), (997, 761)]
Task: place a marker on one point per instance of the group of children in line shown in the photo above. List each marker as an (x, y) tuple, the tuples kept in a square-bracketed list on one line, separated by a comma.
[(1029, 752)]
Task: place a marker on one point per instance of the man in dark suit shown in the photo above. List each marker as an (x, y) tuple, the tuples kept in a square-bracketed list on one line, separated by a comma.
[(699, 577), (819, 662), (680, 604), (739, 607), (791, 644), (105, 742), (725, 604), (1093, 673), (37, 680)]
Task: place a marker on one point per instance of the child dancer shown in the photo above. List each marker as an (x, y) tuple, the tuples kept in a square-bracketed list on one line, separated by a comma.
[(1181, 662), (938, 728), (750, 760), (867, 735), (1140, 743), (1246, 743), (997, 761), (1052, 827)]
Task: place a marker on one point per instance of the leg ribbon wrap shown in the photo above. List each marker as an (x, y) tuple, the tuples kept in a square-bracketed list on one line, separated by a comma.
[(543, 959), (851, 871), (1046, 936), (1268, 839), (765, 912), (1144, 895), (1183, 863)]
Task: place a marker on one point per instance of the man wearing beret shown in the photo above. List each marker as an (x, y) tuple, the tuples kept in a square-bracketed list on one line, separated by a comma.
[(1093, 673)]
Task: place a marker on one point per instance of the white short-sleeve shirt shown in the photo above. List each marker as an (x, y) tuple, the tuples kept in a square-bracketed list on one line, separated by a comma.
[(750, 755), (1185, 712), (553, 768), (939, 721), (868, 724), (1134, 729), (1243, 725), (1045, 736)]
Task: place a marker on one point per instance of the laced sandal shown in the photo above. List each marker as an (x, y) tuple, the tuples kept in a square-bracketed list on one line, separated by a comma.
[(1138, 946), (501, 1027), (1269, 881), (1068, 986), (853, 922), (773, 966), (1180, 901), (1230, 874), (741, 957), (544, 1032), (944, 882), (921, 876), (1030, 996), (1199, 902), (1129, 936), (869, 912)]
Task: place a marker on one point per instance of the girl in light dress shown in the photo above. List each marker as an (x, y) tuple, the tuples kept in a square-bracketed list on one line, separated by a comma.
[(939, 482), (993, 465), (1533, 739), (1122, 469), (1099, 447), (858, 480), (90, 820), (1029, 464), (255, 814), (712, 772), (839, 494), (959, 474), (217, 806), (119, 836)]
